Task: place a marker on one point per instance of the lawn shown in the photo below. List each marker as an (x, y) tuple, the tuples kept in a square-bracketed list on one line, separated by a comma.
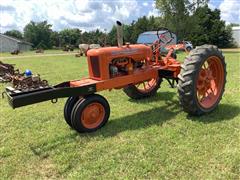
[(151, 138), (32, 53)]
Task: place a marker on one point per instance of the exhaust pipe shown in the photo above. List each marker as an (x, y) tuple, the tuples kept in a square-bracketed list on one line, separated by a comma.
[(119, 34)]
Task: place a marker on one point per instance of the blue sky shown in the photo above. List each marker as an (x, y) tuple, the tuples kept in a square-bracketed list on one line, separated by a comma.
[(90, 14)]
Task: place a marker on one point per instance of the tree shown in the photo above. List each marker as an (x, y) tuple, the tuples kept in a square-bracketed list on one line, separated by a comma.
[(112, 36), (55, 39), (209, 28), (132, 31), (14, 33), (175, 14), (234, 24), (70, 36), (38, 33), (93, 37)]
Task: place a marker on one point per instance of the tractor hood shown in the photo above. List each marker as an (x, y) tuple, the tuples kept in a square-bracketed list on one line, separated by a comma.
[(131, 51)]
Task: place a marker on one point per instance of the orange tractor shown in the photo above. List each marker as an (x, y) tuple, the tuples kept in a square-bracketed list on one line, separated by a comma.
[(139, 70)]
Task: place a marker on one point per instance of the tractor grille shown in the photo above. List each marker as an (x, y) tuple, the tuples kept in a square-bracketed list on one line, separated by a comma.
[(94, 60)]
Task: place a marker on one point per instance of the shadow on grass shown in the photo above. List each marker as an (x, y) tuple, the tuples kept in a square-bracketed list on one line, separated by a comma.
[(42, 150), (161, 96), (222, 113), (231, 52), (144, 119), (156, 116)]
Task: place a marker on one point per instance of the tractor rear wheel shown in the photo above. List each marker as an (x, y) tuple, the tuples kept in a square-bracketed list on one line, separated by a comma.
[(202, 80), (71, 101), (90, 113), (143, 89)]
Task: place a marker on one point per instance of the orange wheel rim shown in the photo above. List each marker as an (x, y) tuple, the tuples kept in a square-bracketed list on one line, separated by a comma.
[(93, 115), (147, 86), (210, 82)]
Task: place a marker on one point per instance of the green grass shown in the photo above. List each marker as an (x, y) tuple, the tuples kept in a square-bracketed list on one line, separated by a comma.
[(30, 53), (151, 138)]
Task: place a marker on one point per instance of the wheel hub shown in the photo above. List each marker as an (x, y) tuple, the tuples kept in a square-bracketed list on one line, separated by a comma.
[(93, 115), (205, 79), (210, 82)]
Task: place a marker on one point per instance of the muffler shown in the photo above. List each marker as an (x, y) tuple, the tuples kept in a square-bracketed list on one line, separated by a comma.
[(119, 34)]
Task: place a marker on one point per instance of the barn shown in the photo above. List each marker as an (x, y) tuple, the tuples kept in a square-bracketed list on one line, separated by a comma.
[(236, 35), (8, 44)]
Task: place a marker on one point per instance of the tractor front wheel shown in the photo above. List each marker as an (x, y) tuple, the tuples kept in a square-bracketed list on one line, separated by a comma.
[(143, 89), (71, 101), (90, 113), (202, 80)]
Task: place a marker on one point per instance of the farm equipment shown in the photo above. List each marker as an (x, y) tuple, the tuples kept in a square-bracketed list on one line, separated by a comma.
[(138, 69), (84, 48), (68, 48), (20, 81), (39, 51), (181, 46), (23, 82), (15, 52), (7, 71)]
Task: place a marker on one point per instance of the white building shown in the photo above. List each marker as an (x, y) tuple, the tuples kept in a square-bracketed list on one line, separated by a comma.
[(236, 35), (8, 44)]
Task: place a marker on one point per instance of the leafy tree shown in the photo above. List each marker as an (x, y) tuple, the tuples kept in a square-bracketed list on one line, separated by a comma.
[(41, 45), (132, 31), (112, 36), (128, 32), (140, 26), (55, 39), (70, 36), (234, 24), (209, 28), (194, 4), (14, 33), (175, 14), (36, 32), (94, 37)]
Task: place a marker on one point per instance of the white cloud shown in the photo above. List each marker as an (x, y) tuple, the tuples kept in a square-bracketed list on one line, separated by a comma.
[(145, 4), (230, 11), (84, 14), (90, 14), (154, 13), (211, 6), (6, 19)]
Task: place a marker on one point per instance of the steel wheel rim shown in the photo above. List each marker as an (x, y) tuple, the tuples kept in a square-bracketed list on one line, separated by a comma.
[(147, 86), (93, 115), (210, 82)]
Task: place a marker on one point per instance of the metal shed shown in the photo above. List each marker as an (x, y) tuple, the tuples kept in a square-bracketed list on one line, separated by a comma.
[(236, 35), (8, 44)]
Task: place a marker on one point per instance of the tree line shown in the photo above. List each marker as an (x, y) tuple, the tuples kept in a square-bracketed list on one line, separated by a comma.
[(189, 20)]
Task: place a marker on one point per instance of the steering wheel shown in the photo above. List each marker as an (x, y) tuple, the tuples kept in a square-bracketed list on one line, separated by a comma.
[(162, 35)]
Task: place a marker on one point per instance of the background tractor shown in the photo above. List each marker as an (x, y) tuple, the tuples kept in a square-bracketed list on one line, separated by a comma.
[(138, 69)]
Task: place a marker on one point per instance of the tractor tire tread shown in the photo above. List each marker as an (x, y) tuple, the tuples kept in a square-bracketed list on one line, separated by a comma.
[(188, 74), (79, 107)]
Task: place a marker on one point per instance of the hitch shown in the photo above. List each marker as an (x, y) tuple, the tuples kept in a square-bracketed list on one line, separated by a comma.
[(171, 82)]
